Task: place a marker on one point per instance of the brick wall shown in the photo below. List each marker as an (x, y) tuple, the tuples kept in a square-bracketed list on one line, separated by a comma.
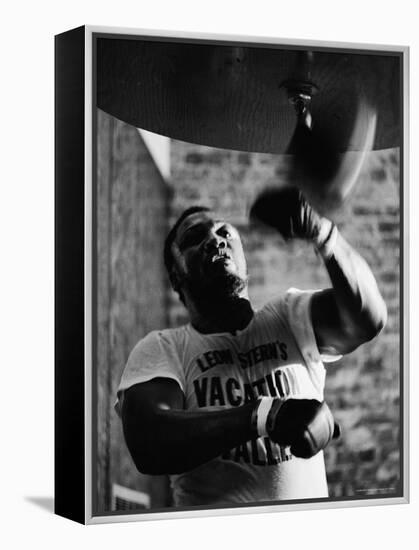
[(132, 202), (363, 387)]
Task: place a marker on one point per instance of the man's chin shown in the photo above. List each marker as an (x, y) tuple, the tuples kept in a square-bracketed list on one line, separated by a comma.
[(221, 286), (220, 267)]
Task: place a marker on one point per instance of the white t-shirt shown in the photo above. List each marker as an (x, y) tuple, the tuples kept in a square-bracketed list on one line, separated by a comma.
[(275, 355)]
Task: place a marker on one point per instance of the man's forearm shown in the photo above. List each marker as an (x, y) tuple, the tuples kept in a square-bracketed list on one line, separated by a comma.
[(168, 440), (175, 441), (360, 306)]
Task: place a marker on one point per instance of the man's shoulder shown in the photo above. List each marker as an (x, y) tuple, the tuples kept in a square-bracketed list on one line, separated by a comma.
[(290, 295), (279, 300), (161, 336), (285, 305)]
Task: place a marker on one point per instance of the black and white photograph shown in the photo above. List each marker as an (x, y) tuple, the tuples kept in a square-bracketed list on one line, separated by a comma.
[(210, 250), (247, 275)]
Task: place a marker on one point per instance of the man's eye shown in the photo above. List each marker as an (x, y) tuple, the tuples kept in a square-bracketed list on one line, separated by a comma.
[(190, 239)]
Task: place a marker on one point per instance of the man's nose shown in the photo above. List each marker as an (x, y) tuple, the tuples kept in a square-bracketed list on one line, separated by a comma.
[(214, 242)]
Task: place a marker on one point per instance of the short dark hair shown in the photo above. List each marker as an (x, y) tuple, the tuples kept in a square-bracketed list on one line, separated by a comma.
[(167, 253)]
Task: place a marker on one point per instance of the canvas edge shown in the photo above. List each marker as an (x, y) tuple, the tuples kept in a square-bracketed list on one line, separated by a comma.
[(403, 50)]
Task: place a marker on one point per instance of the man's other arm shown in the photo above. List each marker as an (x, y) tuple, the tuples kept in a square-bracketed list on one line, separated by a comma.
[(353, 311), (164, 438)]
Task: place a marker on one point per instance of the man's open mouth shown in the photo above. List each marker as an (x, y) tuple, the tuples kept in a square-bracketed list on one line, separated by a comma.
[(220, 257)]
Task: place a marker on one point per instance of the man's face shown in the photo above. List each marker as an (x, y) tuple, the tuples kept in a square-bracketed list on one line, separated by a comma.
[(209, 256)]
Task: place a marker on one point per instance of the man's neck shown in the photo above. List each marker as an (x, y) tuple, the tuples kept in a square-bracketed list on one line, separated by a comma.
[(228, 315)]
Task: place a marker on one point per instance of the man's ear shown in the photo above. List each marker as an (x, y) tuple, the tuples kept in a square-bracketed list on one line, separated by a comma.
[(174, 279), (175, 274)]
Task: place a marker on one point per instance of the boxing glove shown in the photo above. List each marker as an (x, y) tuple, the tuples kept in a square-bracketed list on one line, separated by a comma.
[(305, 425), (286, 210)]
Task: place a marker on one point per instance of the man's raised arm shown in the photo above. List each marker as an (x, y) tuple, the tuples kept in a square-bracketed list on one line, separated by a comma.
[(353, 310)]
